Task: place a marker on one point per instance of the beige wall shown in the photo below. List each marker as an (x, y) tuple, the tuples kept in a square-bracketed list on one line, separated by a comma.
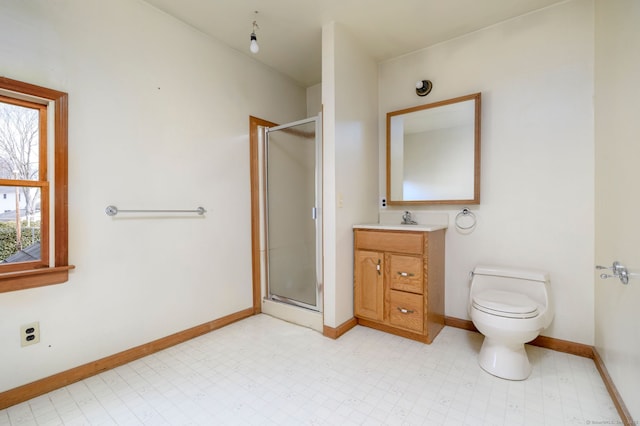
[(314, 100), (617, 313), (535, 73), (159, 118)]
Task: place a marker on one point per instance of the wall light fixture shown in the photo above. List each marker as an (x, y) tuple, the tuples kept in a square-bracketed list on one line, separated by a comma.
[(423, 87)]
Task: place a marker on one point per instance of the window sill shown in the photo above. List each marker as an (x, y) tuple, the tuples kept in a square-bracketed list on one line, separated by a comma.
[(22, 280)]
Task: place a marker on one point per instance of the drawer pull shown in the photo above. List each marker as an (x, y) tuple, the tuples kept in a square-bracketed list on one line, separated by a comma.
[(405, 311), (406, 274)]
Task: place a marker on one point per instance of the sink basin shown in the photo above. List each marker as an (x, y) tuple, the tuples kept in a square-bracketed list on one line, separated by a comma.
[(399, 227)]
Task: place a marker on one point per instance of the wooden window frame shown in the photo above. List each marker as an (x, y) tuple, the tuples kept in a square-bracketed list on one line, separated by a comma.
[(41, 182), (56, 270)]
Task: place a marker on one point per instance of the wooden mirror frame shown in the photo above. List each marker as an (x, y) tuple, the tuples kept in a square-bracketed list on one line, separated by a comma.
[(476, 173)]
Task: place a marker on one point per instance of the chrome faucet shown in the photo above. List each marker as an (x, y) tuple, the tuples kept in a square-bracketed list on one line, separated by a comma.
[(407, 219)]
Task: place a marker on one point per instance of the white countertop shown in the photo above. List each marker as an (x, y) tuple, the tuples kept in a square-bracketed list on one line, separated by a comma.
[(399, 227)]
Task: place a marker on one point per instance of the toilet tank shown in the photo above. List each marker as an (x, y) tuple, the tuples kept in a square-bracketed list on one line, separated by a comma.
[(532, 283)]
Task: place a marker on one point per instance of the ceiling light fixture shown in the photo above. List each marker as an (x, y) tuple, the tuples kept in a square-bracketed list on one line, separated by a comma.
[(254, 40)]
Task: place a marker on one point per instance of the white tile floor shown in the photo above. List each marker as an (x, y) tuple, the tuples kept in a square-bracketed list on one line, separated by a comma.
[(263, 371)]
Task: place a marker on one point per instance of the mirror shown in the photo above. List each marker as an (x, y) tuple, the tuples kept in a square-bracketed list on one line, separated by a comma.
[(433, 153)]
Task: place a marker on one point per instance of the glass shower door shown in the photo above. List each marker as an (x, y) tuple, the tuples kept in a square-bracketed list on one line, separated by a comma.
[(293, 192)]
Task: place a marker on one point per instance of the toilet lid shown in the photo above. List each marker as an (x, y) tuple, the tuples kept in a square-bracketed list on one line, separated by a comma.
[(505, 304)]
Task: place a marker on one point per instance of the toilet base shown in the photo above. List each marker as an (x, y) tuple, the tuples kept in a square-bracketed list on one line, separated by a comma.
[(504, 360)]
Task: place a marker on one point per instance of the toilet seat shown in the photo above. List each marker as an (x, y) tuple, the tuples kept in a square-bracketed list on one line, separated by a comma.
[(505, 304)]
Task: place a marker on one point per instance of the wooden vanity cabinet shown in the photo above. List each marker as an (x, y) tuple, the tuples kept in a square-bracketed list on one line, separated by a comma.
[(399, 281)]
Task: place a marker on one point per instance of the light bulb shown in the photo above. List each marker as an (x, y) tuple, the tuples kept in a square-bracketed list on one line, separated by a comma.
[(254, 44), (419, 84)]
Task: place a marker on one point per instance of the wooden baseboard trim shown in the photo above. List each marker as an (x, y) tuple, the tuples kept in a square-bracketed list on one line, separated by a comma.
[(59, 380), (559, 345), (460, 323), (418, 337), (570, 348), (563, 346), (623, 412), (334, 333)]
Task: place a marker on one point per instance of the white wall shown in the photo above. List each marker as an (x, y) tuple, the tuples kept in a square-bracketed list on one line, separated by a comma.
[(349, 97), (314, 100), (159, 118), (535, 73), (617, 335)]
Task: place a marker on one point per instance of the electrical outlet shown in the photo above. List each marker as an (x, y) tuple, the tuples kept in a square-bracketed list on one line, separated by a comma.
[(30, 334), (383, 202)]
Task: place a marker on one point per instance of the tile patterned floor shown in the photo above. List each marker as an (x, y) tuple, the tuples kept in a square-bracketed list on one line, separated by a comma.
[(263, 371)]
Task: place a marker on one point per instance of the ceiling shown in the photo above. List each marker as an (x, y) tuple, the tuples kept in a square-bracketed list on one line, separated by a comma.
[(290, 31)]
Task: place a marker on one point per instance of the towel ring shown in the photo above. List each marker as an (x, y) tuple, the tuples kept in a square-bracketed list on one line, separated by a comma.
[(465, 213)]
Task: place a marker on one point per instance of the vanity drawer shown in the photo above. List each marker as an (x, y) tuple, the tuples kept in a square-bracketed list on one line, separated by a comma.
[(406, 310), (397, 242), (405, 273)]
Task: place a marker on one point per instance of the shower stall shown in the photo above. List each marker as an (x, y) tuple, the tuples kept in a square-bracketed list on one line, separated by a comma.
[(292, 215)]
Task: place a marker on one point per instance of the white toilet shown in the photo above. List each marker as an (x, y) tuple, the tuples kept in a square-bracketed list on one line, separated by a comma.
[(510, 307)]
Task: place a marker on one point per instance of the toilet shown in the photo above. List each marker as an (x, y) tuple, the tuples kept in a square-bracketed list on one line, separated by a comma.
[(510, 307)]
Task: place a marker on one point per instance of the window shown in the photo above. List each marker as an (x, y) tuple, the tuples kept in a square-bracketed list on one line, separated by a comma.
[(33, 180)]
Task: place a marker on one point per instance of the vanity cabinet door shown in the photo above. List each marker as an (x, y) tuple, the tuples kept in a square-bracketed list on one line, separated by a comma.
[(369, 284)]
